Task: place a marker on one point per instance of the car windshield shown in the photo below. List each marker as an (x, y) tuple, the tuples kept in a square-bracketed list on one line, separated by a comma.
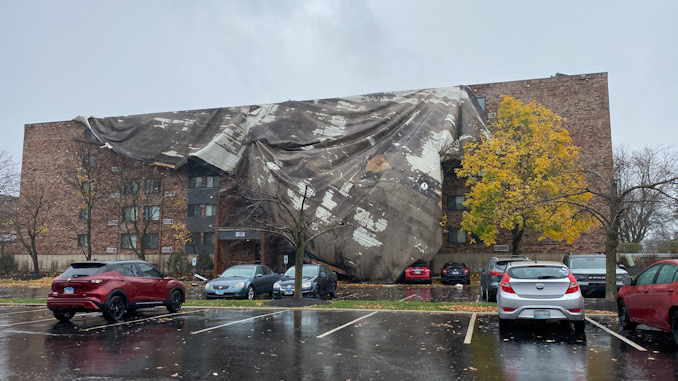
[(588, 263), (538, 272), (306, 272), (245, 272), (81, 270)]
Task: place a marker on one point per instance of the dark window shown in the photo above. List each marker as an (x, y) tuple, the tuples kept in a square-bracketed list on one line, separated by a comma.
[(666, 274), (151, 241), (195, 182), (208, 238), (148, 271), (132, 187), (130, 213), (456, 236), (85, 269), (259, 271), (127, 269), (128, 241), (647, 276), (195, 210), (212, 182), (455, 203), (152, 213), (152, 186), (83, 240), (267, 271)]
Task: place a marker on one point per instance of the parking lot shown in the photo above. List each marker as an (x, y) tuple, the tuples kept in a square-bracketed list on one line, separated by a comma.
[(301, 344)]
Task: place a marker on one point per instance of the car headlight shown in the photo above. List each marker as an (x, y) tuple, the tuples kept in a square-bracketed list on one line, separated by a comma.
[(208, 286), (621, 277), (276, 286), (306, 285), (239, 285)]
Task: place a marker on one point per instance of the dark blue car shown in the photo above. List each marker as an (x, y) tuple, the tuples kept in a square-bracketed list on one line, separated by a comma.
[(317, 280), (242, 281)]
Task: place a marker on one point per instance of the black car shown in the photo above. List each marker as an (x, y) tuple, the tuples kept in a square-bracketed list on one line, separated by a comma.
[(455, 272), (317, 280), (495, 268)]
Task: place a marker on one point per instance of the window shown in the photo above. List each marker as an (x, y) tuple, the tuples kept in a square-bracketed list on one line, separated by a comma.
[(647, 276), (83, 214), (152, 213), (666, 274), (267, 271), (194, 210), (481, 102), (455, 203), (259, 271), (83, 240), (210, 210), (128, 241), (148, 271), (132, 187), (130, 213), (212, 182), (195, 182), (208, 239), (152, 186), (127, 269), (456, 236), (151, 241)]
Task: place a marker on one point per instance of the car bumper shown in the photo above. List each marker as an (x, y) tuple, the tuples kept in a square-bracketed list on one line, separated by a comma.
[(76, 304), (229, 293), (454, 278), (290, 294), (513, 307), (417, 278)]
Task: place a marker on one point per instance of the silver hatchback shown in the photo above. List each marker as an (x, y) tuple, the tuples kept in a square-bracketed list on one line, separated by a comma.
[(540, 291)]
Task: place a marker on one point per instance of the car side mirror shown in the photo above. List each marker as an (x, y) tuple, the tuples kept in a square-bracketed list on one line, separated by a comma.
[(495, 278), (480, 269), (259, 275), (628, 282), (322, 275), (164, 275), (622, 267)]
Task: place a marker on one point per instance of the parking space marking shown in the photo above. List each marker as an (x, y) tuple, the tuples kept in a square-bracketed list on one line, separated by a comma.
[(25, 322), (24, 312), (345, 325), (236, 322), (140, 320), (469, 331), (615, 334)]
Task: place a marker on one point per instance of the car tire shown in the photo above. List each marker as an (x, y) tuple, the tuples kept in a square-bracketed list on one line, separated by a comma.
[(505, 323), (175, 301), (333, 294), (492, 298), (114, 308), (316, 292), (579, 326), (674, 327), (250, 292), (624, 318), (63, 315)]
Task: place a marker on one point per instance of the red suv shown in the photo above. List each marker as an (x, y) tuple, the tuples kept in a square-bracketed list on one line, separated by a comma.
[(112, 287)]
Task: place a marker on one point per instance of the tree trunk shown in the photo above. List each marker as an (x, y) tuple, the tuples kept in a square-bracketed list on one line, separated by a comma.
[(516, 235), (611, 243), (34, 256)]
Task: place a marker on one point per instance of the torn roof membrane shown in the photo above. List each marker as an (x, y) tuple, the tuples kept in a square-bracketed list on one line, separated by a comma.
[(374, 155)]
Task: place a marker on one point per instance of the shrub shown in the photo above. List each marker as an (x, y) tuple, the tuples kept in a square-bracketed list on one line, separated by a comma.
[(177, 264), (667, 247), (6, 263), (204, 263), (630, 247)]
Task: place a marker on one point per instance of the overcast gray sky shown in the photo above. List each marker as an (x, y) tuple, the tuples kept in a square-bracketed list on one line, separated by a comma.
[(66, 58)]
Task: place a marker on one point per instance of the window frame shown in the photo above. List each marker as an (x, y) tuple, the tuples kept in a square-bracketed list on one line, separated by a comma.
[(148, 216), (130, 239)]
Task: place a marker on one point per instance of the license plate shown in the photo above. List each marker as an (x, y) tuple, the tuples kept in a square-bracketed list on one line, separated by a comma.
[(541, 314), (455, 272), (220, 292), (289, 292), (68, 290), (417, 272)]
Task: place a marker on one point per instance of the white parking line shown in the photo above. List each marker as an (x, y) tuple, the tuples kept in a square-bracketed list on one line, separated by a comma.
[(469, 331), (345, 325), (25, 312), (236, 322), (26, 322), (140, 320), (615, 334)]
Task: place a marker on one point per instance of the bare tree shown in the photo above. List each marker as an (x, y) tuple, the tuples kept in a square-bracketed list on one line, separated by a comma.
[(617, 195), (136, 191), (32, 219), (9, 176), (271, 213)]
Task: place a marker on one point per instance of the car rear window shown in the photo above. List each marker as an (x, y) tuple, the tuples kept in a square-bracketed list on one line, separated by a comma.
[(538, 272), (457, 266), (81, 270), (587, 263)]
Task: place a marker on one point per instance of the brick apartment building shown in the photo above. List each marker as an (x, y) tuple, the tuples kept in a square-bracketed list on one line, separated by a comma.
[(190, 197)]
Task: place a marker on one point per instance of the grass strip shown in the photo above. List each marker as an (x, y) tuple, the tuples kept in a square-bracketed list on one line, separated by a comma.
[(410, 306)]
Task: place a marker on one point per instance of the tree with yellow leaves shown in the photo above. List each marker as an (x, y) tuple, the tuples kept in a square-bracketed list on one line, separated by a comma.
[(525, 177)]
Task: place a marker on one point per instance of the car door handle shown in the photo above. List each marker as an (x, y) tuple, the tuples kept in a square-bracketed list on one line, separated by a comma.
[(669, 291)]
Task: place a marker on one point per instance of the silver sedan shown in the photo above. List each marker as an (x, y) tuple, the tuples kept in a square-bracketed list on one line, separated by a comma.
[(540, 291)]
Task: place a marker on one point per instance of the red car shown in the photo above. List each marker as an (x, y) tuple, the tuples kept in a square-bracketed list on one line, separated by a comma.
[(651, 298), (112, 287), (418, 272)]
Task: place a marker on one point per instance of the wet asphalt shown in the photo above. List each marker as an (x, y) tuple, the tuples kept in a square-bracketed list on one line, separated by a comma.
[(302, 344)]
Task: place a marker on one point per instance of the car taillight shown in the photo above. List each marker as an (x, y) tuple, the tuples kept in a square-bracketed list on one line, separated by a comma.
[(494, 273), (505, 285), (574, 286), (96, 281), (575, 311)]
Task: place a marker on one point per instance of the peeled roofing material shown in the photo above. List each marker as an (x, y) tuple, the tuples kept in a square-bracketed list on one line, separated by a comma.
[(372, 162)]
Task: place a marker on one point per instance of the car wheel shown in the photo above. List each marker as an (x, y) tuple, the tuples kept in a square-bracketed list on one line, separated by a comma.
[(316, 292), (114, 308), (250, 292), (579, 326), (176, 299), (63, 315), (491, 297), (483, 296), (333, 294), (674, 327), (624, 317)]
